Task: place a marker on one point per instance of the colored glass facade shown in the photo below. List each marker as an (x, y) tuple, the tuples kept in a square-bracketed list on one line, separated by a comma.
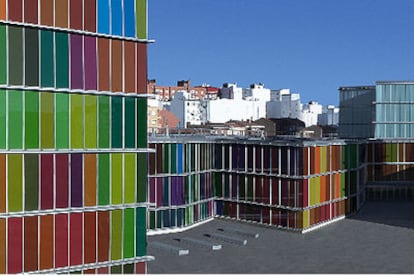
[(390, 170), (180, 184), (291, 185), (73, 144)]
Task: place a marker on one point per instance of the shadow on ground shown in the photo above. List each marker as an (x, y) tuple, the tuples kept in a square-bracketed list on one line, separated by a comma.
[(393, 213)]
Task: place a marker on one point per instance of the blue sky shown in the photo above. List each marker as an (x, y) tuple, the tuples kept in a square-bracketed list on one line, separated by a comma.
[(310, 46)]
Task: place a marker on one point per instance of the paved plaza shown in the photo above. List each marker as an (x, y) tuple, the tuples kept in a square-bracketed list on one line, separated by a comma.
[(379, 239)]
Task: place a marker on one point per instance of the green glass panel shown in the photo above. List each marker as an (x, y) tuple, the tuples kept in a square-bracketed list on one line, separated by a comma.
[(152, 219), (15, 183), (62, 121), (141, 17), (103, 179), (90, 121), (129, 123), (15, 119), (62, 60), (3, 118), (116, 269), (116, 235), (173, 158), (219, 186), (31, 185), (3, 55), (15, 56), (31, 57), (47, 67), (116, 178), (76, 121), (31, 120), (142, 123), (129, 177), (129, 233), (104, 121), (47, 120), (116, 120), (343, 184), (128, 269), (142, 177), (141, 237)]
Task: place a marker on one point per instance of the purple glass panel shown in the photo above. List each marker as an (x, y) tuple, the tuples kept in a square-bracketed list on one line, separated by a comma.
[(76, 180), (180, 192), (159, 191), (90, 63), (242, 158), (76, 68), (174, 193), (152, 190)]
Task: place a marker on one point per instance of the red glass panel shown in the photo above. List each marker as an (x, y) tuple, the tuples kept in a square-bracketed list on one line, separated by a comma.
[(76, 14), (2, 246), (90, 15), (141, 68), (46, 181), (76, 238), (30, 11), (15, 10), (14, 253), (103, 236)]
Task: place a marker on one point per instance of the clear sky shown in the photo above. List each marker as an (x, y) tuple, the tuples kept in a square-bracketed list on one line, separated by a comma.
[(310, 46)]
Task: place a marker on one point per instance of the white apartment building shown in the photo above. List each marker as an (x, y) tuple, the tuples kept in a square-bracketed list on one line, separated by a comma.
[(310, 113), (329, 116), (187, 109), (284, 104)]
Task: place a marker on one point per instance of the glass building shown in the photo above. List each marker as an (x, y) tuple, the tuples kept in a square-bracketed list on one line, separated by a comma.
[(357, 112), (394, 105), (290, 184), (73, 144)]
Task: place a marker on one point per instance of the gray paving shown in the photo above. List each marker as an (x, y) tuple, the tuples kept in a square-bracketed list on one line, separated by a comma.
[(379, 239)]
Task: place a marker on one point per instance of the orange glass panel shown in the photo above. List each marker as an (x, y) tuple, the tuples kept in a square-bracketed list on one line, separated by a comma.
[(46, 12), (116, 59), (46, 242), (61, 13), (2, 12), (103, 61), (30, 243), (317, 160), (129, 66), (89, 237), (90, 179)]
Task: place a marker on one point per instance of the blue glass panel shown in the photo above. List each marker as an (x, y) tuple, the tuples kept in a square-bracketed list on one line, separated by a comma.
[(116, 12), (129, 12), (103, 16), (180, 158)]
